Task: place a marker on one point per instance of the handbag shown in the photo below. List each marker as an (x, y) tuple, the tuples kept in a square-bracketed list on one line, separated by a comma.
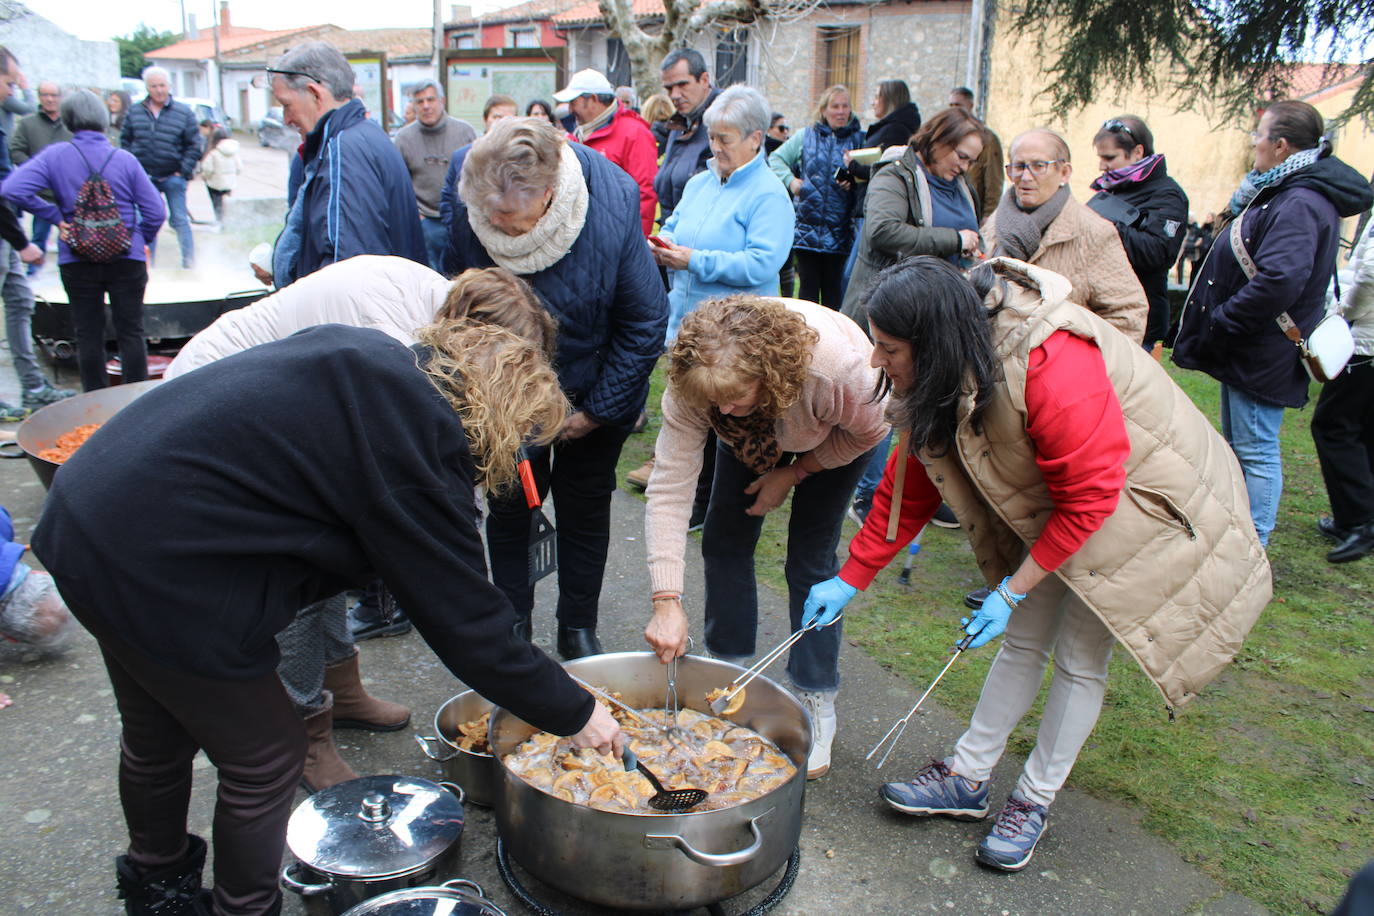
[(1329, 347)]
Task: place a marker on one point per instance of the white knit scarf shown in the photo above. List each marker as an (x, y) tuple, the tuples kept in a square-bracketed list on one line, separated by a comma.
[(552, 237)]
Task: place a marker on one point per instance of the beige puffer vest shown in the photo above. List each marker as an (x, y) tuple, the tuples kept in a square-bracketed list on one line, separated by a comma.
[(1176, 572)]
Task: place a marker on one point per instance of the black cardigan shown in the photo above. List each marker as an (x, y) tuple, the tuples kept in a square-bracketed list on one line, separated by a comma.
[(200, 518)]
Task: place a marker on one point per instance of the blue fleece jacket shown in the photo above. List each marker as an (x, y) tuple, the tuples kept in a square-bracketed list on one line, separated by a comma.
[(740, 233)]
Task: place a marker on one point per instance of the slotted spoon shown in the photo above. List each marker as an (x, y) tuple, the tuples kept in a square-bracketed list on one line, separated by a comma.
[(664, 799)]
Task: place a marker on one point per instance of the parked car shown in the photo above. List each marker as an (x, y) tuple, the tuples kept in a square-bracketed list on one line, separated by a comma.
[(273, 131), (206, 110)]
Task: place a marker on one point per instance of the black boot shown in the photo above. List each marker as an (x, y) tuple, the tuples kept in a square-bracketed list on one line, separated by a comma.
[(1359, 542), (172, 890), (377, 614), (524, 626), (575, 642)]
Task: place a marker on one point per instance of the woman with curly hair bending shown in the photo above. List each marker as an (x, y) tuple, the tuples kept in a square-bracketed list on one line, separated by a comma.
[(788, 390), (279, 495)]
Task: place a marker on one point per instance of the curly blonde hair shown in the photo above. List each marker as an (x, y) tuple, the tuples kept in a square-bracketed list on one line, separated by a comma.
[(494, 295), (503, 389), (728, 344)]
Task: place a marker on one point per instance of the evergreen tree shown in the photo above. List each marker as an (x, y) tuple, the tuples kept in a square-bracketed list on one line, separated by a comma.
[(133, 46)]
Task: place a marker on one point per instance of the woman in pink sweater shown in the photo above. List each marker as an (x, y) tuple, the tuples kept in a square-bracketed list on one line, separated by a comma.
[(788, 390)]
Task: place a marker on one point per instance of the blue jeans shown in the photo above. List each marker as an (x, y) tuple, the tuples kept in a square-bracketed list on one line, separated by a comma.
[(19, 319), (1252, 428), (813, 534), (173, 187), (873, 473), (39, 236), (436, 240)]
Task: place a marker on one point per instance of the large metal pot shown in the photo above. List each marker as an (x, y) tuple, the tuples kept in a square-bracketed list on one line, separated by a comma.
[(657, 861), (367, 836), (41, 430), (459, 897), (476, 773)]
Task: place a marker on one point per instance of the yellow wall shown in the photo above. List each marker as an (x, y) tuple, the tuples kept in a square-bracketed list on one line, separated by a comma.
[(1208, 158)]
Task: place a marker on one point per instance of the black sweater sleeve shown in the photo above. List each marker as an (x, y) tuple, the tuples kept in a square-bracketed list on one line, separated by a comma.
[(10, 230)]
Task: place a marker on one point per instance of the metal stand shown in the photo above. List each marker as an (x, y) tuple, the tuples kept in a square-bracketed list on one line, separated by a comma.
[(522, 893)]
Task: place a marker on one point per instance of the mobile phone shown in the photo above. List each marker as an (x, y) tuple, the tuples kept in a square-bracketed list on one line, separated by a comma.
[(843, 174), (661, 243)]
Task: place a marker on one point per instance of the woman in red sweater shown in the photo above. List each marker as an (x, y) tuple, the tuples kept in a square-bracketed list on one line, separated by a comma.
[(1032, 418)]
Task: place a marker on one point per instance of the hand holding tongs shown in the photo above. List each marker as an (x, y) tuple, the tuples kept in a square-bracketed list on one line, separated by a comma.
[(894, 734), (719, 704), (623, 707)]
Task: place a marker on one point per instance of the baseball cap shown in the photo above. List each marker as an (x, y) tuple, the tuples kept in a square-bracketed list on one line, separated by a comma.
[(585, 82)]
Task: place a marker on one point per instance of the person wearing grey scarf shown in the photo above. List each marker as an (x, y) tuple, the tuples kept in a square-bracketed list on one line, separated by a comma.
[(1020, 227)]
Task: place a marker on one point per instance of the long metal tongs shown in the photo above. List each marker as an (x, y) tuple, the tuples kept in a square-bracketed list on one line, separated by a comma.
[(894, 734), (719, 704), (627, 709)]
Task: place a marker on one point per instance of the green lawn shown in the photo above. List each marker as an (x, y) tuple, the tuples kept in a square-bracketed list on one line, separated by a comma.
[(1266, 781)]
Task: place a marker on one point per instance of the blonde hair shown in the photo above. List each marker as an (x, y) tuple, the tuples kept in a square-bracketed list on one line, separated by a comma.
[(494, 295), (658, 107), (503, 389), (824, 102), (517, 157), (728, 344)]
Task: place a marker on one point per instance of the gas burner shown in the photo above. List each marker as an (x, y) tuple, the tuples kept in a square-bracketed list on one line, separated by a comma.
[(535, 905)]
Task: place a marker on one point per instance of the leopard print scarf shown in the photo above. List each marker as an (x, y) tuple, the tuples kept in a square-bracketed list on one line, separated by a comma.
[(753, 439)]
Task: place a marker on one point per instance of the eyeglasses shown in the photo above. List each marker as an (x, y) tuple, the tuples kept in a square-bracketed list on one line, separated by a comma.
[(1037, 167), (262, 81), (1117, 126)]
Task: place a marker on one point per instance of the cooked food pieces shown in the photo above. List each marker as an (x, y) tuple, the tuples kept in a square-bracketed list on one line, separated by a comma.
[(67, 443), (736, 702), (473, 735), (733, 763)]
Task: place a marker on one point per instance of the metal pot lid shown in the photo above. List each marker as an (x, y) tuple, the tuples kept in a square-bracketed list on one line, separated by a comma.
[(375, 827), (452, 898)]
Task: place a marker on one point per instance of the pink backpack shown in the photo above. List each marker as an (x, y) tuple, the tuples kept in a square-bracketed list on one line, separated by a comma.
[(97, 231)]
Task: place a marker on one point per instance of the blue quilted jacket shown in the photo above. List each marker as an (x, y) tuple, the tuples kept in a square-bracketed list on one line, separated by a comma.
[(824, 209), (605, 293), (164, 145)]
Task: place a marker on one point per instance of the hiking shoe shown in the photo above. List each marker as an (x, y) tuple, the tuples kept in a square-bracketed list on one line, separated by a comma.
[(1019, 826), (820, 706), (859, 509), (639, 477), (975, 598), (48, 394), (939, 790), (11, 414), (944, 517)]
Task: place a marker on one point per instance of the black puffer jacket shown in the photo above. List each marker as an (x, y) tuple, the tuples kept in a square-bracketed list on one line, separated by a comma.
[(1151, 216), (165, 144), (892, 129)]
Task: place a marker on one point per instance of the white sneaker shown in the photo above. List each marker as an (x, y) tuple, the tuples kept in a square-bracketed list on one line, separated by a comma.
[(820, 706)]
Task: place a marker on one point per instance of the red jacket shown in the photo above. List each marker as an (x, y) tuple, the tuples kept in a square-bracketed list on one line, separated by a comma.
[(628, 142)]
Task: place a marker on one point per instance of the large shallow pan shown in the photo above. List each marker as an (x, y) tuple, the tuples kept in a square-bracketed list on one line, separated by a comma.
[(41, 430), (657, 861)]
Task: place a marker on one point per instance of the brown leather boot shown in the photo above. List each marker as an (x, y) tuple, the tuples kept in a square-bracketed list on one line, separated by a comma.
[(323, 765), (354, 707)]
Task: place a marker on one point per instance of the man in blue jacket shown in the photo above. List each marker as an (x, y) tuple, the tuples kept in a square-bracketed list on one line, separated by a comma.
[(688, 84), (355, 195), (164, 137)]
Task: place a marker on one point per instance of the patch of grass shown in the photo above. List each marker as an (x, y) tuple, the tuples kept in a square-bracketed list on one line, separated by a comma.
[(1265, 781)]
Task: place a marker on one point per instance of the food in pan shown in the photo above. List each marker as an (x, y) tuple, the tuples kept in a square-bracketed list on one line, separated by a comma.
[(67, 443), (733, 763), (473, 735), (736, 702)]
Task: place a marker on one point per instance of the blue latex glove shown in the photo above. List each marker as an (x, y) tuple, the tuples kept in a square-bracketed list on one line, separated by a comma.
[(826, 600), (991, 619)]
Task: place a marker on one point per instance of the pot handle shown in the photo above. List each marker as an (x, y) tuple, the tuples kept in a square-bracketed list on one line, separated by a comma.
[(721, 860), (455, 789), (425, 741), (292, 883), (11, 450)]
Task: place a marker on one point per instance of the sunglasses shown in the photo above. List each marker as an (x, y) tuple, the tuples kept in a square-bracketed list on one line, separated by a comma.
[(264, 80), (1117, 126)]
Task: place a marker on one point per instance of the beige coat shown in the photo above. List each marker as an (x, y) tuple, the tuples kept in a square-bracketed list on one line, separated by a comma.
[(1085, 248), (1176, 572)]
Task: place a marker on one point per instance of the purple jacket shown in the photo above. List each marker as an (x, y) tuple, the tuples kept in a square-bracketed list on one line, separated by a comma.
[(59, 169)]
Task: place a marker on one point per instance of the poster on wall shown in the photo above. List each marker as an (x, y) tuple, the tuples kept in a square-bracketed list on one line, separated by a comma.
[(472, 82), (369, 84)]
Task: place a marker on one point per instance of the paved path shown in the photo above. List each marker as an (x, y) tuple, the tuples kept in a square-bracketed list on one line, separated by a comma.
[(58, 753)]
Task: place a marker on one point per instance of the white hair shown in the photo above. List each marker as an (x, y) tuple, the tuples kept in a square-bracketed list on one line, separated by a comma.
[(741, 107), (155, 70)]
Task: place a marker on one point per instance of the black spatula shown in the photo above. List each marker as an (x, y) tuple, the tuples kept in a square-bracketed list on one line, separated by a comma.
[(664, 799), (543, 547)]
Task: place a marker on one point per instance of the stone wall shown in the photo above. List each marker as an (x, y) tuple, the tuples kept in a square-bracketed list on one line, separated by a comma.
[(923, 43), (46, 52)]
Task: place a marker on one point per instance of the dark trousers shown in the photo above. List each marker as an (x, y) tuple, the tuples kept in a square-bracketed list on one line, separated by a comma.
[(252, 735), (217, 203), (87, 284), (580, 475), (1343, 430), (820, 277), (813, 534)]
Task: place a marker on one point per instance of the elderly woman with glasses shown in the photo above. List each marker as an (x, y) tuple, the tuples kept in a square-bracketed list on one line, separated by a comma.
[(1039, 222), (565, 219)]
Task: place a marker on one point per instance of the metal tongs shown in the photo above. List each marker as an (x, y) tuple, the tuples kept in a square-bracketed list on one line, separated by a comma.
[(672, 705), (628, 710), (719, 704), (894, 734)]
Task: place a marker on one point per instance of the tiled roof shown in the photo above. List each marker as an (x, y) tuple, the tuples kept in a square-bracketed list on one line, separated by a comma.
[(588, 13), (233, 38), (520, 12), (1305, 80), (395, 42)]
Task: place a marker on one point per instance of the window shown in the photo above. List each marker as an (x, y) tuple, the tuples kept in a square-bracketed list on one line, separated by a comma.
[(839, 57), (732, 58), (524, 38), (463, 41), (617, 63)]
